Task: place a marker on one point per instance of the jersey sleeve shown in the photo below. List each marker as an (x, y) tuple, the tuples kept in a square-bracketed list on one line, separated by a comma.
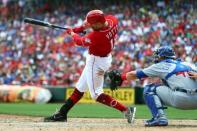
[(140, 74), (157, 70), (192, 66), (83, 41), (113, 18), (79, 29)]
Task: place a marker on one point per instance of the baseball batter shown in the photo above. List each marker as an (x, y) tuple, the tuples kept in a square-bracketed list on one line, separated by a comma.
[(100, 43), (179, 88)]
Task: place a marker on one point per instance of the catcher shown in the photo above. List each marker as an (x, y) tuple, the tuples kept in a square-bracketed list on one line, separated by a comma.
[(178, 90)]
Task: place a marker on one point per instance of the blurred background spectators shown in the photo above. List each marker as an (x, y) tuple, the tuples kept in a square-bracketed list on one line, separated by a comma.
[(32, 55)]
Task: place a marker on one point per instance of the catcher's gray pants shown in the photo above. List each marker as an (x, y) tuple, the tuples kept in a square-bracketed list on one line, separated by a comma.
[(177, 99)]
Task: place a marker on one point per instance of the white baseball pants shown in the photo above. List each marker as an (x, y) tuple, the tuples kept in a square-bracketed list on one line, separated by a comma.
[(90, 79)]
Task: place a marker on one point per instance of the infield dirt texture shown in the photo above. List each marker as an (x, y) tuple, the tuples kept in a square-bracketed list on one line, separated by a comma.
[(26, 123)]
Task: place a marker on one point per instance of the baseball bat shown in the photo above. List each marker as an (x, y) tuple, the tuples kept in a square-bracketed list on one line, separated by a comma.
[(43, 23)]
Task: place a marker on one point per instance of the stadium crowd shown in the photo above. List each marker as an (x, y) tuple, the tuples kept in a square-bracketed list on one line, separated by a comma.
[(35, 55)]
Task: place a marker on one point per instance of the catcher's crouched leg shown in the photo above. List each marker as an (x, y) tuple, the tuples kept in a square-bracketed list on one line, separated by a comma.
[(155, 106)]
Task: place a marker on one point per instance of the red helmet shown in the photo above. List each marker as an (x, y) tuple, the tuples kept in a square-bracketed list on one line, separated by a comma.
[(95, 16)]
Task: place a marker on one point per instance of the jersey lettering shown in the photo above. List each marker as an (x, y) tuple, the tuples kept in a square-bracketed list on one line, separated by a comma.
[(112, 32), (112, 43)]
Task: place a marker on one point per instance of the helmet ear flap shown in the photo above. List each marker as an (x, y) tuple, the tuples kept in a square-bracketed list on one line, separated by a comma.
[(156, 56), (163, 53)]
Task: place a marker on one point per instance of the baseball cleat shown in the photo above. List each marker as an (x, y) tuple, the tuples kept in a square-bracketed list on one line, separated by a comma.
[(130, 114), (57, 117), (156, 122)]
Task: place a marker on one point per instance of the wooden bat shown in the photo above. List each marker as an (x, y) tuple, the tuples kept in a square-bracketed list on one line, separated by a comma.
[(43, 23)]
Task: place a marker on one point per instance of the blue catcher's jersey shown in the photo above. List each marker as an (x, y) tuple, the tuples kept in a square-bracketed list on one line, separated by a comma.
[(172, 72)]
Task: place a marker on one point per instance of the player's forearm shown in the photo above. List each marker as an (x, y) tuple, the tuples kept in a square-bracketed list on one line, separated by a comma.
[(78, 40), (79, 29), (129, 76)]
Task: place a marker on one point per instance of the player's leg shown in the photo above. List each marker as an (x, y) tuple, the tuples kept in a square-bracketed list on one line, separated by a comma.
[(77, 94), (185, 101), (96, 68), (155, 106), (95, 80), (178, 99)]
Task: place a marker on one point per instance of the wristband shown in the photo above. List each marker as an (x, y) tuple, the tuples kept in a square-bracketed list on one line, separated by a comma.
[(123, 76)]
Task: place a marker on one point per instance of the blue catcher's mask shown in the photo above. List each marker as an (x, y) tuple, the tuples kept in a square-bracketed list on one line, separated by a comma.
[(164, 52)]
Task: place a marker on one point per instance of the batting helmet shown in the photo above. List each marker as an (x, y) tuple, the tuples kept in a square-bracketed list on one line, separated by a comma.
[(165, 52), (95, 16)]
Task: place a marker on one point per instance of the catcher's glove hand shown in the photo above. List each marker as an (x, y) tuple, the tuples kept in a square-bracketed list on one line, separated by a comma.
[(113, 79)]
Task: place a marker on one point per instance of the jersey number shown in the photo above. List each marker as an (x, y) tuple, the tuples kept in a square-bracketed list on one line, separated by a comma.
[(112, 43)]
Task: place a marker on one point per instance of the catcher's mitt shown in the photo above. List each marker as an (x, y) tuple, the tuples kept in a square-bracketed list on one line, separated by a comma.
[(113, 79)]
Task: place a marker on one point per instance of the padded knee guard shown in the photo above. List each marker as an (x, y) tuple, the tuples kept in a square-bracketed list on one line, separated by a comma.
[(153, 101)]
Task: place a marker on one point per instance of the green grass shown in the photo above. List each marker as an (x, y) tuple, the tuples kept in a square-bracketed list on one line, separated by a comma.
[(88, 110)]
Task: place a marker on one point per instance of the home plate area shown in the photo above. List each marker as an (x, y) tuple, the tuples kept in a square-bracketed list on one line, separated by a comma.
[(28, 123)]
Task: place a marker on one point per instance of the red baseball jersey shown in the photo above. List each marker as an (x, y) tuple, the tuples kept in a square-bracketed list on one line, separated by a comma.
[(100, 43)]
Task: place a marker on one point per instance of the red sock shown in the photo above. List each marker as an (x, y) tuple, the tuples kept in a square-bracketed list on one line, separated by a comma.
[(71, 101), (123, 76), (109, 101), (76, 96)]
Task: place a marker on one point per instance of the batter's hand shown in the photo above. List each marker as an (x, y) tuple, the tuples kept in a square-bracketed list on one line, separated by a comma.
[(69, 31)]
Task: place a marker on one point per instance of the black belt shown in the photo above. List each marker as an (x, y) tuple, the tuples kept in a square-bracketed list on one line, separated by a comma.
[(100, 55), (186, 91)]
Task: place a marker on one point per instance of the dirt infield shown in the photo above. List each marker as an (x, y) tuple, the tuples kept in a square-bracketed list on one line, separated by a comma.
[(26, 123)]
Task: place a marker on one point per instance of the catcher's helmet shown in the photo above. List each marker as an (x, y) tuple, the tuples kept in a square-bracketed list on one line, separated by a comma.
[(165, 52), (95, 16)]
